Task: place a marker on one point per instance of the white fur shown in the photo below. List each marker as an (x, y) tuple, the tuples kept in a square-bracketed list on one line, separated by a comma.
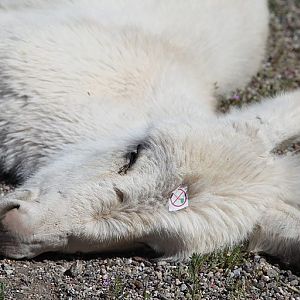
[(83, 83)]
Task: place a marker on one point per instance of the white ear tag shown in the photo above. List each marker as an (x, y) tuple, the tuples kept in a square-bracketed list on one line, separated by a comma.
[(179, 199)]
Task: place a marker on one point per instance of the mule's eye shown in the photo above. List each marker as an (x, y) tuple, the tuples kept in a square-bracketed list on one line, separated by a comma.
[(120, 194), (131, 157)]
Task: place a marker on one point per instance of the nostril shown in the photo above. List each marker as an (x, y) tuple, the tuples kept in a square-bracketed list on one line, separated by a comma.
[(13, 206), (8, 207)]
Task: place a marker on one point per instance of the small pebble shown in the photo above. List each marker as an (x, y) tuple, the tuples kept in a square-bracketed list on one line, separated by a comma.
[(183, 287)]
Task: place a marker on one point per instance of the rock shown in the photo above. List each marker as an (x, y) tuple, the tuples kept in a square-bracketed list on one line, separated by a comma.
[(8, 269), (183, 287), (281, 291), (265, 278), (237, 273), (294, 282), (262, 261), (272, 273), (162, 263), (159, 275), (75, 269), (138, 284), (9, 272), (256, 258), (164, 297)]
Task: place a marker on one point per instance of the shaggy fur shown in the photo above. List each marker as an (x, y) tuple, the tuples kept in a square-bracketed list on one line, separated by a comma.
[(107, 107)]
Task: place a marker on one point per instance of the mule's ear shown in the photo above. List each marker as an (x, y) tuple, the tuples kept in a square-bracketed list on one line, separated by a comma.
[(278, 231), (278, 234)]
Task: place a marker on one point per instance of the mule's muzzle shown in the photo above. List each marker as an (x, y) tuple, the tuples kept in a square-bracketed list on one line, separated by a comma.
[(13, 228), (29, 227)]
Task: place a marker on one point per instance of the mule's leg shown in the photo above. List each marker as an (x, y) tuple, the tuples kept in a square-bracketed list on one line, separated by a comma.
[(278, 233), (277, 118)]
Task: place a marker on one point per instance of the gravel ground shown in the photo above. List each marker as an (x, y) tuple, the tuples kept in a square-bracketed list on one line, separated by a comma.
[(228, 275)]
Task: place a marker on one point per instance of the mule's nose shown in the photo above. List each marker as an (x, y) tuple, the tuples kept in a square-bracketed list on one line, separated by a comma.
[(15, 227), (8, 213), (17, 199), (16, 211), (8, 205), (14, 217)]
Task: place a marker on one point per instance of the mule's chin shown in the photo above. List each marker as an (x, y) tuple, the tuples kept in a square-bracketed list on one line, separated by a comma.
[(18, 247)]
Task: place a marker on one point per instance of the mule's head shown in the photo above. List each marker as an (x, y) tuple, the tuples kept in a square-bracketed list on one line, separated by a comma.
[(114, 195)]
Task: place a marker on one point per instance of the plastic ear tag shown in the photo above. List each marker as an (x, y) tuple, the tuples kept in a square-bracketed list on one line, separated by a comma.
[(179, 199)]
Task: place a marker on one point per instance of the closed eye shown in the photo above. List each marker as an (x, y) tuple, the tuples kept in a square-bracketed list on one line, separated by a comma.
[(132, 158), (120, 194)]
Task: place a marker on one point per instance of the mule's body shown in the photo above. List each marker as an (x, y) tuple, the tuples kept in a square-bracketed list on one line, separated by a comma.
[(91, 68), (83, 84)]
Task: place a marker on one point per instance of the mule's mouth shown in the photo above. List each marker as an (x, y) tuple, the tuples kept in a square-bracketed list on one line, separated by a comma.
[(17, 246)]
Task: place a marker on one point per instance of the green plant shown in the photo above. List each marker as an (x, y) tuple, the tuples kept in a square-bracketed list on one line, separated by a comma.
[(238, 290), (1, 291), (233, 258), (146, 295), (226, 260), (195, 265), (116, 289)]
